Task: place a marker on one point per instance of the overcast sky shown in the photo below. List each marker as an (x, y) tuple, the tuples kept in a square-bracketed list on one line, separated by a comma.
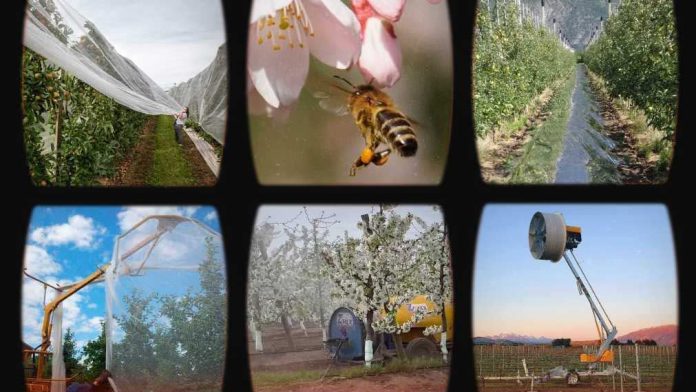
[(171, 40), (627, 252), (346, 217)]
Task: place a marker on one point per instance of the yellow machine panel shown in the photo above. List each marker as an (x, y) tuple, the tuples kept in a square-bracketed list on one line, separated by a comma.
[(407, 310), (608, 356)]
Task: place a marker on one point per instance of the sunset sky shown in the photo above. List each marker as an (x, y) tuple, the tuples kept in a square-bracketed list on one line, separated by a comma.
[(627, 253)]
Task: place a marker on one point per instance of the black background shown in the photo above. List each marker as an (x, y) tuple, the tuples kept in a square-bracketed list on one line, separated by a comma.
[(237, 194)]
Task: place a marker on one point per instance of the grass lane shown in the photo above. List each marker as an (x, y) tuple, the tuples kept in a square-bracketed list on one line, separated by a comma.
[(170, 167)]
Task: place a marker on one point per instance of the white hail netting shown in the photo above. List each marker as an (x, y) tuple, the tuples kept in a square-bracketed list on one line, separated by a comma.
[(57, 31), (206, 96), (57, 362), (166, 307)]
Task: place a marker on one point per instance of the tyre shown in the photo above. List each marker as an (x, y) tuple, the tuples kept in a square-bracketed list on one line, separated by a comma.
[(572, 378), (421, 347)]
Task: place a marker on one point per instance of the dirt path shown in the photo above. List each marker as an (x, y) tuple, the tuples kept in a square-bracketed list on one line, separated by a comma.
[(598, 143), (587, 155), (158, 160), (633, 168), (427, 380)]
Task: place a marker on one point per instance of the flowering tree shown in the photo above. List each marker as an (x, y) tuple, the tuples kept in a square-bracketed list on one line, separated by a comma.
[(434, 257), (378, 273), (310, 240), (266, 293), (282, 283)]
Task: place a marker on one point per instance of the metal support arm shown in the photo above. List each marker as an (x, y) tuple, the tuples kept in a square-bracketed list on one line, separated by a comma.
[(610, 332)]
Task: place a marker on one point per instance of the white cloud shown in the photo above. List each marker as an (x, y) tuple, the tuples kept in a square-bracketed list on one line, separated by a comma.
[(80, 231), (91, 306), (38, 262), (92, 325), (212, 215), (33, 310), (129, 216)]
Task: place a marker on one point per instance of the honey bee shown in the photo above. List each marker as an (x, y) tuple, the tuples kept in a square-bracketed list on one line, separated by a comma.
[(380, 122)]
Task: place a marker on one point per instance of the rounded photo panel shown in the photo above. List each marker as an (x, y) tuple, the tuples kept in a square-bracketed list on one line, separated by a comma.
[(349, 92), (124, 94), (575, 92)]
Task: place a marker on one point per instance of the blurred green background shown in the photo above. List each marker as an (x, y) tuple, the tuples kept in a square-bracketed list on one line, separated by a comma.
[(316, 147)]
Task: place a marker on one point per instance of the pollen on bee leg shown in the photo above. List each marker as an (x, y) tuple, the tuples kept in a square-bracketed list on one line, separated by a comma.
[(366, 155)]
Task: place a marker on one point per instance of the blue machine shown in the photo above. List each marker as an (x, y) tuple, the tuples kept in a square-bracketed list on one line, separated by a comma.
[(344, 325)]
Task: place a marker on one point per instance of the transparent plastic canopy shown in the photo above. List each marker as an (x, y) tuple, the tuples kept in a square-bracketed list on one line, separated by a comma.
[(57, 31), (166, 307)]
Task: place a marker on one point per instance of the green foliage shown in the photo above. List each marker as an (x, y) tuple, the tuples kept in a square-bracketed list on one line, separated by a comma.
[(94, 354), (134, 354), (637, 56), (72, 366), (169, 338), (513, 63), (96, 132)]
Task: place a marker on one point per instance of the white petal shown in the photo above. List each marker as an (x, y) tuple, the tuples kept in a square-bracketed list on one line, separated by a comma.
[(390, 9), (278, 75), (380, 59), (256, 105), (336, 40), (261, 8)]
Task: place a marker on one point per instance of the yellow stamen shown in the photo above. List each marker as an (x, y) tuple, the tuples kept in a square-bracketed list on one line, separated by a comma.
[(272, 27)]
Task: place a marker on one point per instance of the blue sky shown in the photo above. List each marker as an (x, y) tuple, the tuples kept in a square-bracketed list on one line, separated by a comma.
[(627, 252), (65, 244)]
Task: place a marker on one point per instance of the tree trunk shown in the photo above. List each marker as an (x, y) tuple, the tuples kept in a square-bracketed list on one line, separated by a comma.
[(399, 342), (258, 340), (288, 330), (303, 327), (369, 338)]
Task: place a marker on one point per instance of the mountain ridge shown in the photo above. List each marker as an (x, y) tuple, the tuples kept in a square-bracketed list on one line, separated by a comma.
[(664, 335)]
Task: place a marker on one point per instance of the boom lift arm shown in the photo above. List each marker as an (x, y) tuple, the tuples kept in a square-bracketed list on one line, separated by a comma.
[(165, 224), (550, 239)]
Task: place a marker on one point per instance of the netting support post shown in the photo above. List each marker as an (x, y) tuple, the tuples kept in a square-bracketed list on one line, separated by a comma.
[(59, 139), (621, 368), (637, 369)]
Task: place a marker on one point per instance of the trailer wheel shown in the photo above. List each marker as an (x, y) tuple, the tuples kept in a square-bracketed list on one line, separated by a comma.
[(572, 378), (421, 347)]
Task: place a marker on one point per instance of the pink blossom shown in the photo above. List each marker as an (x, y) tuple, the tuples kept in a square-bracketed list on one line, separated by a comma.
[(380, 57), (283, 33)]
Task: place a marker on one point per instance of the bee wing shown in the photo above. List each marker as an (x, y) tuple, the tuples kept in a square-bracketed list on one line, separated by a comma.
[(414, 121), (332, 102)]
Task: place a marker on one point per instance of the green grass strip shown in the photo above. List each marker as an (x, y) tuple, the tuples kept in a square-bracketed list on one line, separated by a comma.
[(537, 165), (268, 378), (170, 167)]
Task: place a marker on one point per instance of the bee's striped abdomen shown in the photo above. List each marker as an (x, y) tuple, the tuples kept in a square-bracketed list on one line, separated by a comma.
[(398, 131)]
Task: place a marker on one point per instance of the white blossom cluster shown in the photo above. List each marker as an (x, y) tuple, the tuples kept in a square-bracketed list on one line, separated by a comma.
[(288, 280), (432, 330)]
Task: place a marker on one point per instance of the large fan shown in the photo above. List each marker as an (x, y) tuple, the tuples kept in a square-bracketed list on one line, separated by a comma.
[(547, 236), (550, 239)]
